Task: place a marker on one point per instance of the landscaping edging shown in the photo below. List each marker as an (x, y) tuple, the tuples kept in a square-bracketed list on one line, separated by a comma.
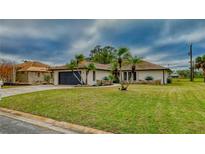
[(61, 124)]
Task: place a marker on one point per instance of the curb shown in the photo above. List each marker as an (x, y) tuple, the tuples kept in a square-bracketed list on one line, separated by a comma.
[(52, 122)]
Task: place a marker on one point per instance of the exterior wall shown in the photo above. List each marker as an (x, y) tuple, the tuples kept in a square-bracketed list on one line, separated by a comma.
[(156, 74), (100, 74), (34, 78), (22, 77)]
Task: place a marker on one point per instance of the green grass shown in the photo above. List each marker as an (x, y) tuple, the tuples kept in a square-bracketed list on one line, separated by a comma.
[(175, 108)]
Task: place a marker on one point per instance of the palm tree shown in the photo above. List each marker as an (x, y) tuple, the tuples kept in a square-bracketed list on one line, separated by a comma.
[(79, 58), (90, 67), (122, 53), (73, 65), (133, 61), (114, 67), (200, 63)]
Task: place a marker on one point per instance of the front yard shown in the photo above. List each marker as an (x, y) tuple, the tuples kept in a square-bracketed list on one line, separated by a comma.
[(175, 108)]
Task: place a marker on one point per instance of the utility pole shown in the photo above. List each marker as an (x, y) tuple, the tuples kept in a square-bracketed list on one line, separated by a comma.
[(191, 63)]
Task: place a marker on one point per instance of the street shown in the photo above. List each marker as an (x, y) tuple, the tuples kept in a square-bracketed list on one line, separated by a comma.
[(13, 126)]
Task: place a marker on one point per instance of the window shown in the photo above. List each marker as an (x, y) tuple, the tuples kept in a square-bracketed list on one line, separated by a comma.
[(94, 75), (135, 76), (125, 75), (38, 74)]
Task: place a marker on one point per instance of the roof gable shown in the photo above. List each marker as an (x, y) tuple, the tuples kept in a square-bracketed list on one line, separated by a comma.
[(84, 64), (144, 65)]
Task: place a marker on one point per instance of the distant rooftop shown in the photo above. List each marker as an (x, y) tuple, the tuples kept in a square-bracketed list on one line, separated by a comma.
[(32, 66)]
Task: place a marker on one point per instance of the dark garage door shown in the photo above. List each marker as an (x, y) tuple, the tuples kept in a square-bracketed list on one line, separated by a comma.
[(67, 78)]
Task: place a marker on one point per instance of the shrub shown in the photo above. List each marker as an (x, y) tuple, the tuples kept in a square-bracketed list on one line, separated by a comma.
[(149, 78), (169, 80), (111, 77), (47, 78), (105, 78)]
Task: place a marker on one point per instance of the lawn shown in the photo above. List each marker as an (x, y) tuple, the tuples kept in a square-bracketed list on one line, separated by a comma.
[(175, 108)]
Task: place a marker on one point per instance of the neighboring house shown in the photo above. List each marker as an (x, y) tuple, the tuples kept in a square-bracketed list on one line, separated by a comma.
[(145, 69), (174, 75), (32, 72), (64, 76)]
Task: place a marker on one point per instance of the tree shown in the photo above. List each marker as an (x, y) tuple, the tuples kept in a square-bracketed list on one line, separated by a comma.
[(183, 73), (133, 60), (103, 55), (200, 64), (123, 55), (47, 78), (90, 67), (6, 71), (74, 64), (79, 58), (115, 71)]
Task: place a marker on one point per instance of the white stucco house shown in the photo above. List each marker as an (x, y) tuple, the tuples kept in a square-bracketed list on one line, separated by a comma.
[(64, 76)]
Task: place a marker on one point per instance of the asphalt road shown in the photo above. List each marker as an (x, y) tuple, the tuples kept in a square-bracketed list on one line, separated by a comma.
[(13, 126)]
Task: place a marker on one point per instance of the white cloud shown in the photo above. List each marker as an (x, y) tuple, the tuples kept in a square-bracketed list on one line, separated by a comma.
[(140, 51), (91, 36), (12, 58), (188, 37)]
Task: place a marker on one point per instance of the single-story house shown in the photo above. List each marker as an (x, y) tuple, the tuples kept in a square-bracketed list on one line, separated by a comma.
[(32, 72), (62, 75), (174, 75)]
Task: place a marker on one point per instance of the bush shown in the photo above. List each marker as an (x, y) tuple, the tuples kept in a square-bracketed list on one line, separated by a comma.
[(47, 78), (116, 80), (149, 78), (105, 78), (169, 80), (111, 77)]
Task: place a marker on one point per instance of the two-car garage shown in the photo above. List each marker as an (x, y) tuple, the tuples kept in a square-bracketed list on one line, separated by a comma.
[(68, 78)]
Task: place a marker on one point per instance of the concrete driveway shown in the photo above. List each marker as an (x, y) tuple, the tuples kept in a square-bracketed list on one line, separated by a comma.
[(28, 89)]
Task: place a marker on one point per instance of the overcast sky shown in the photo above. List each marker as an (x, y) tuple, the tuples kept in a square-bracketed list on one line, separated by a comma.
[(57, 41)]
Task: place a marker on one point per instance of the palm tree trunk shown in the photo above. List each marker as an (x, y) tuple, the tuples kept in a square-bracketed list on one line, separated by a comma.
[(120, 75), (80, 76), (77, 77), (86, 78)]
